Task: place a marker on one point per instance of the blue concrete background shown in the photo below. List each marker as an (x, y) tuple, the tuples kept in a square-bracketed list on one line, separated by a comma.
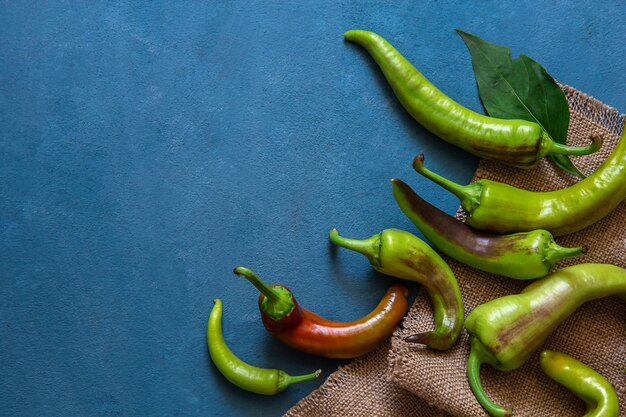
[(147, 148)]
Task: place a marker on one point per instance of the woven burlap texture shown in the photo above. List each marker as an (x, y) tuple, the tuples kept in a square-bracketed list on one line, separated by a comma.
[(594, 334), (415, 382), (362, 389)]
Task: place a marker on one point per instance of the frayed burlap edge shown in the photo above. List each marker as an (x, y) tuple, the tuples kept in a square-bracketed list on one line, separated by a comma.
[(362, 389)]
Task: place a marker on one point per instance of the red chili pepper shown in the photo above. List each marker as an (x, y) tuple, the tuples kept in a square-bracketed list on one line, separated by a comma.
[(304, 330)]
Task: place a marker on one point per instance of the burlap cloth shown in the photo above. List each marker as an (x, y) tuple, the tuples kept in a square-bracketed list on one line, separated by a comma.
[(410, 381)]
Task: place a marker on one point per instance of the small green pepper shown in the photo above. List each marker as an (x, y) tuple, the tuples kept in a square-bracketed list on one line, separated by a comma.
[(259, 380), (402, 255), (504, 332), (524, 255), (588, 385), (514, 142), (501, 208)]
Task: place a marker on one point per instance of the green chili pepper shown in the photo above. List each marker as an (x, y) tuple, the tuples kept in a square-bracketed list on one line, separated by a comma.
[(402, 255), (588, 385), (501, 208), (504, 332), (514, 142), (525, 255), (258, 380)]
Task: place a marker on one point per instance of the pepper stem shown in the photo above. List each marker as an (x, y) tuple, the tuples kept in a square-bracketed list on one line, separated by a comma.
[(556, 252), (369, 247), (561, 149), (303, 378), (284, 379), (479, 355), (278, 301), (468, 194)]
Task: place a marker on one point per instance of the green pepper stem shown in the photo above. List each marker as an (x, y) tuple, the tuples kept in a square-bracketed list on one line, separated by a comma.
[(285, 380), (556, 252), (479, 355), (561, 149), (468, 194), (303, 378), (369, 247)]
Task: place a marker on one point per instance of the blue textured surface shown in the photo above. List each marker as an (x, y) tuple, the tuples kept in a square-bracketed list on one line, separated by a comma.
[(148, 148)]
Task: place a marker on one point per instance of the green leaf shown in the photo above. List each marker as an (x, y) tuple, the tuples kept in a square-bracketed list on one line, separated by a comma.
[(520, 88)]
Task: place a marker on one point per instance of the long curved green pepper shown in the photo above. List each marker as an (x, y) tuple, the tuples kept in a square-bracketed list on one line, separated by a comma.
[(402, 255), (504, 332), (501, 208), (524, 255), (259, 380), (588, 385), (514, 142)]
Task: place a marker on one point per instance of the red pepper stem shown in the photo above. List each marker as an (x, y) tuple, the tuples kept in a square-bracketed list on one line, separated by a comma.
[(369, 247), (479, 355), (278, 302), (560, 149), (269, 292), (468, 194)]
